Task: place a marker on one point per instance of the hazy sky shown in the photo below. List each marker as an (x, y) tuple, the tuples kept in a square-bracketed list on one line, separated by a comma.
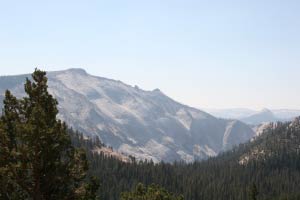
[(217, 54)]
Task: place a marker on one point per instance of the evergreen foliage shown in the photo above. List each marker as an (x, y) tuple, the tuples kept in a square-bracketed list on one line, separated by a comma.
[(152, 192), (274, 173), (37, 159), (253, 192)]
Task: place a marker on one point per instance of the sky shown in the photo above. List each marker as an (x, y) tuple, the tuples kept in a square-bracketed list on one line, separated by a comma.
[(206, 54)]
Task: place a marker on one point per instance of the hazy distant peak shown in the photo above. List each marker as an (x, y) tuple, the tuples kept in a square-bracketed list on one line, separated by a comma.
[(263, 116), (266, 110)]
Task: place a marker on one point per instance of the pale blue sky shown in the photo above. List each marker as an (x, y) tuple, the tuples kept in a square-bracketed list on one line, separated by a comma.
[(217, 54)]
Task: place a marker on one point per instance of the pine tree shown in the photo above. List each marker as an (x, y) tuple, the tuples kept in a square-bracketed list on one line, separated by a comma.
[(152, 192), (37, 159), (253, 192)]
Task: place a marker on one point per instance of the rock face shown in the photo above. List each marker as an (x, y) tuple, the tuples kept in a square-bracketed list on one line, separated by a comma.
[(144, 124)]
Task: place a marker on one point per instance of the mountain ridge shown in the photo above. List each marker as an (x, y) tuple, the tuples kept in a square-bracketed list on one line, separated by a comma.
[(244, 114), (145, 124)]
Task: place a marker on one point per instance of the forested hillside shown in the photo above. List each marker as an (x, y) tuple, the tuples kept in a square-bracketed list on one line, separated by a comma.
[(41, 159), (38, 160), (274, 171)]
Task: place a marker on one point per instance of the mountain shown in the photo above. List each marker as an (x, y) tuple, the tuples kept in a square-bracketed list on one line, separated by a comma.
[(270, 162), (278, 138), (260, 128), (256, 117), (95, 147), (144, 124), (234, 113), (286, 114), (263, 116)]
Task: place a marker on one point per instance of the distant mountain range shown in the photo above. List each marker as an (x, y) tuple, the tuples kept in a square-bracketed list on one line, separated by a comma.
[(255, 117), (144, 124)]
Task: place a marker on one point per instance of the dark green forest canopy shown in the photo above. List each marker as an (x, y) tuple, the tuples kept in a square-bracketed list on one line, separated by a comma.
[(37, 158), (275, 174)]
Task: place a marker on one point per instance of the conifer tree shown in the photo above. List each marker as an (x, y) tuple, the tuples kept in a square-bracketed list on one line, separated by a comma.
[(152, 192), (253, 192), (37, 159)]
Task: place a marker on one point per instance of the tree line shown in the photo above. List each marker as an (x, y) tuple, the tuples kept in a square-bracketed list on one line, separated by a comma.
[(40, 158)]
